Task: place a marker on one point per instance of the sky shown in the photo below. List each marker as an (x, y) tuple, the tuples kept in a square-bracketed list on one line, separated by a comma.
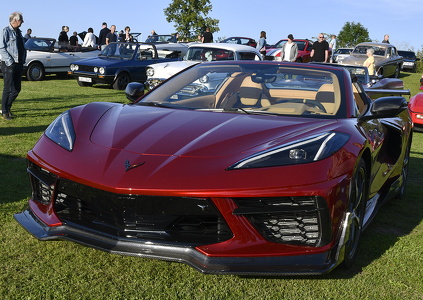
[(305, 19)]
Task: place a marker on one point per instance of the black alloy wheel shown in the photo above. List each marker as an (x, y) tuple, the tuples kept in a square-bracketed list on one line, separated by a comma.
[(35, 72), (356, 211)]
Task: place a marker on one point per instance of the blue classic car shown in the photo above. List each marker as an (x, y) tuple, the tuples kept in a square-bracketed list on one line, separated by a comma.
[(120, 63)]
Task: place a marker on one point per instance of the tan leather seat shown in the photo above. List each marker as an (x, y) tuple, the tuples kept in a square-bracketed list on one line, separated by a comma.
[(326, 96), (251, 94)]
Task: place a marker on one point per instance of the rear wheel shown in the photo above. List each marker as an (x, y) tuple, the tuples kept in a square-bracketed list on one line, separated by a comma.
[(355, 213), (121, 81), (35, 72), (397, 72), (404, 172)]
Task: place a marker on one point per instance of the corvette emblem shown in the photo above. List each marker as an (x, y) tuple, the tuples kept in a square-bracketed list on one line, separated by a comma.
[(128, 165)]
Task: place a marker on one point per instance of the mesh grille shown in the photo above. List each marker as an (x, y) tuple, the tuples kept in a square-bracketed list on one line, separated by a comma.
[(289, 220)]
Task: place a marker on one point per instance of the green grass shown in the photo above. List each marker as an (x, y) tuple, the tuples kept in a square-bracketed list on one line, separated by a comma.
[(389, 265)]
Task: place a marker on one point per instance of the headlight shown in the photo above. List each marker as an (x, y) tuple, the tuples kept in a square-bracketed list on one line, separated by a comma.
[(61, 131), (74, 67), (149, 71), (95, 69), (299, 152), (102, 70)]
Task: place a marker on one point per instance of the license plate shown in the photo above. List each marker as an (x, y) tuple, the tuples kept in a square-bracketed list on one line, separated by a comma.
[(406, 63), (84, 79)]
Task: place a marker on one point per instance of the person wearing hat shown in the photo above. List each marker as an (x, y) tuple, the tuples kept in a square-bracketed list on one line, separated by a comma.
[(289, 50)]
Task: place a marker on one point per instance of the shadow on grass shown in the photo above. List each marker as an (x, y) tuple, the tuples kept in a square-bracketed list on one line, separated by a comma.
[(14, 180)]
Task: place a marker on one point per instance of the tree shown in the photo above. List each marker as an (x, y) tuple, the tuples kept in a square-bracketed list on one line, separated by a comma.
[(352, 34), (190, 17)]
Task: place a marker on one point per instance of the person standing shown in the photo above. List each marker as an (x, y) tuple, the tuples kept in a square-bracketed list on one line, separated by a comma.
[(261, 45), (73, 40), (111, 36), (289, 50), (370, 61), (207, 36), (63, 36), (320, 50), (386, 39), (13, 56), (89, 39), (102, 36), (28, 34)]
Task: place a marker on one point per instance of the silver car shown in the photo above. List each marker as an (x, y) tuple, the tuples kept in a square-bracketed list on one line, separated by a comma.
[(387, 61)]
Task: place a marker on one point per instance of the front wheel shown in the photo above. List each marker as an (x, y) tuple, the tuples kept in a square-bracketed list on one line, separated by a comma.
[(121, 81), (35, 72), (355, 213)]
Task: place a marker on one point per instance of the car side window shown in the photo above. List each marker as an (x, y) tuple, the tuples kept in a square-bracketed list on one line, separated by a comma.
[(248, 56)]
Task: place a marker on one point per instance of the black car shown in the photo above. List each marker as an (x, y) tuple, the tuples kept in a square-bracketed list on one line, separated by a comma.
[(410, 61), (120, 63)]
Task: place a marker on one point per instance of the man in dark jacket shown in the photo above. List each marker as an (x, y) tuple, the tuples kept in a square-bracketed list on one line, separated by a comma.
[(102, 36)]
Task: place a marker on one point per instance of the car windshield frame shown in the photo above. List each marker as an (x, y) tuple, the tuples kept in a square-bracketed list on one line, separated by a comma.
[(378, 51), (127, 51), (210, 86)]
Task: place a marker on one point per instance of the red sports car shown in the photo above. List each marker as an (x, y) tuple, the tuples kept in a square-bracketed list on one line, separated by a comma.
[(275, 170), (304, 50), (415, 106)]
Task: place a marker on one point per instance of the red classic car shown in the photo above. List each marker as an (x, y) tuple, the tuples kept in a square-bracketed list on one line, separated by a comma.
[(304, 49), (275, 170), (415, 106)]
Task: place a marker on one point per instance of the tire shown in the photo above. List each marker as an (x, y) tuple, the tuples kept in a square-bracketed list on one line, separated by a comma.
[(81, 83), (355, 213), (404, 172), (35, 72), (121, 81), (397, 72)]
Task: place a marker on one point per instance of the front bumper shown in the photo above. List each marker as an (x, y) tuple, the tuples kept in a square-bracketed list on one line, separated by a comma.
[(307, 264), (93, 78)]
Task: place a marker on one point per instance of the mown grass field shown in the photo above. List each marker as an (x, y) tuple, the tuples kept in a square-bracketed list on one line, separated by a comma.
[(389, 264)]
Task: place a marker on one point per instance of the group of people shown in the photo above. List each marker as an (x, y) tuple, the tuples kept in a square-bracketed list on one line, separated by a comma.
[(106, 36), (13, 53)]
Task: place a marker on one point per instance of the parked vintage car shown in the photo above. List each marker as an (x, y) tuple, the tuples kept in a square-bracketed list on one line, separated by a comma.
[(120, 63), (387, 61), (168, 42), (340, 54), (304, 50), (240, 40), (410, 60), (198, 53), (45, 56), (277, 170), (415, 105)]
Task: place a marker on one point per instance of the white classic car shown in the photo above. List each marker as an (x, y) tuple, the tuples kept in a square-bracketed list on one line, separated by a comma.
[(44, 56), (168, 42), (197, 53)]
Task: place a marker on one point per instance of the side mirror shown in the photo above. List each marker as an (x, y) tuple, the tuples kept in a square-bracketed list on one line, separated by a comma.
[(134, 91), (386, 107)]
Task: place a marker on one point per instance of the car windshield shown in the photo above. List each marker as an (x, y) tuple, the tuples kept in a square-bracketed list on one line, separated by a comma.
[(362, 49), (407, 54), (209, 54), (128, 50), (161, 39), (252, 89), (39, 45), (343, 51)]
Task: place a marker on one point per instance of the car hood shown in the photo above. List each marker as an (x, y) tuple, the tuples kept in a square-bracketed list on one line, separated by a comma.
[(101, 61), (172, 132), (165, 70), (358, 59)]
